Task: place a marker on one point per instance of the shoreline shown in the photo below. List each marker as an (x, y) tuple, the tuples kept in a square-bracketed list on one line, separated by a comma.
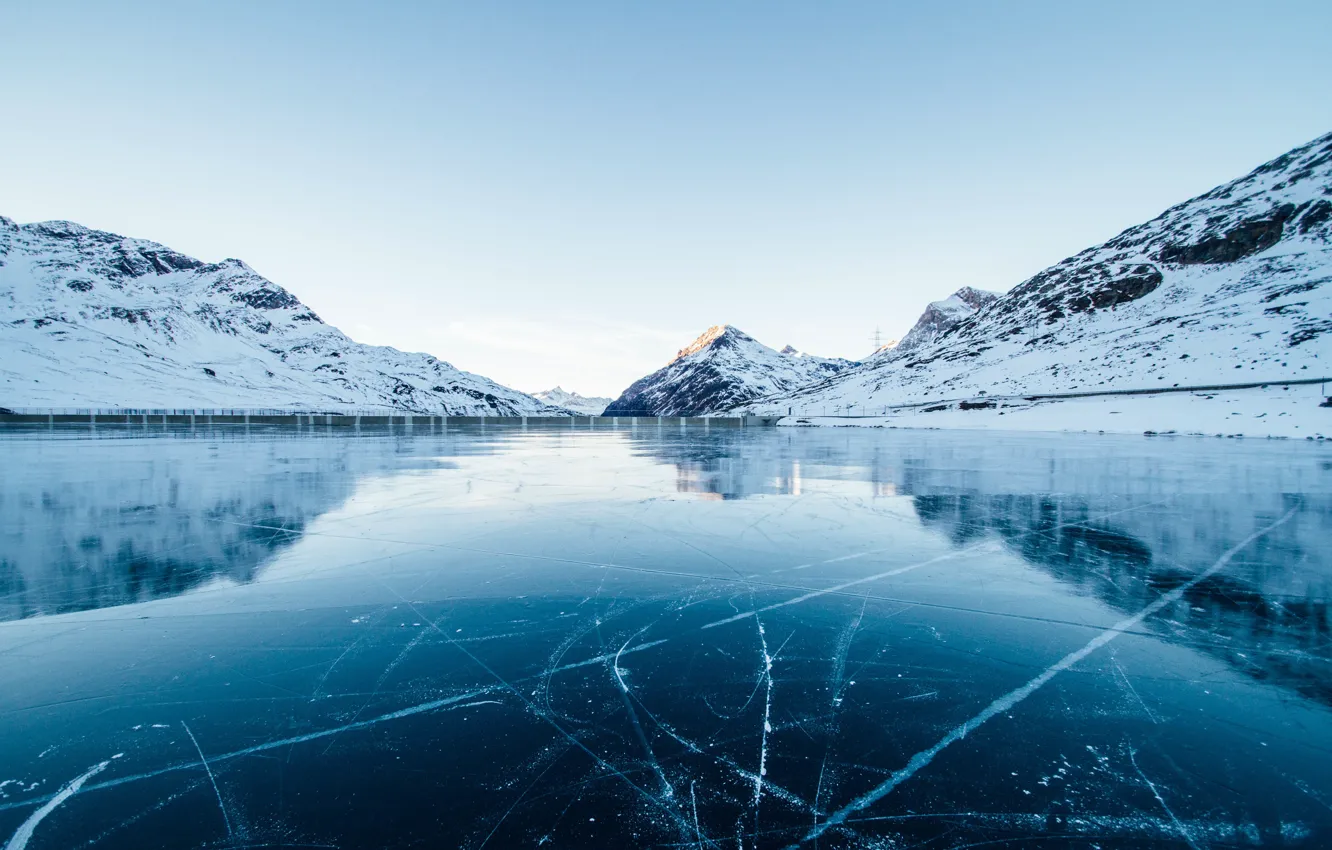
[(1266, 413)]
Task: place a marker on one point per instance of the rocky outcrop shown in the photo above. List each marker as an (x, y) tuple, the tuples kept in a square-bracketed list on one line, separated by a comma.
[(1242, 240)]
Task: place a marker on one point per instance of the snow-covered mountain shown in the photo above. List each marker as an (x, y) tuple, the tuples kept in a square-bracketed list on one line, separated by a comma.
[(580, 404), (1229, 287), (722, 369), (92, 319), (942, 316)]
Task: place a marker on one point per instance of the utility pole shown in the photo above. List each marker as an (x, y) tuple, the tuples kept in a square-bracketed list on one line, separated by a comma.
[(877, 339)]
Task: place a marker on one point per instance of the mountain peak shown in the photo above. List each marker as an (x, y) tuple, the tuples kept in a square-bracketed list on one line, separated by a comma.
[(717, 336), (940, 317), (721, 370), (975, 298), (59, 227)]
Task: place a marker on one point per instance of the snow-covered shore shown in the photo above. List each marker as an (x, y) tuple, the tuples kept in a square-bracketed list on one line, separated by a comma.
[(1278, 412)]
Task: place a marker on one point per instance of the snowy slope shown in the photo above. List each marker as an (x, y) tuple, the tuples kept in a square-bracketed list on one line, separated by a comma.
[(1230, 287), (92, 319), (580, 404), (723, 368)]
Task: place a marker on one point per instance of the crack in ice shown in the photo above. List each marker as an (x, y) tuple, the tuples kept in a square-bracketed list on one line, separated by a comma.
[(1183, 833), (21, 836), (422, 708), (923, 758), (221, 805)]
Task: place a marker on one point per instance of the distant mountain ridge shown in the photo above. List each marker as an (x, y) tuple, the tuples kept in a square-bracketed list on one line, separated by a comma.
[(721, 369), (93, 319), (580, 404), (1229, 287)]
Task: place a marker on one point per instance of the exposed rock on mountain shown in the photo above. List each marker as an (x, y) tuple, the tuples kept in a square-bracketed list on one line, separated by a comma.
[(92, 319), (723, 368), (1229, 287), (580, 404)]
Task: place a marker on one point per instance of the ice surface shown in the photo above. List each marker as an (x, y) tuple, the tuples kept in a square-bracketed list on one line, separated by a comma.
[(492, 637)]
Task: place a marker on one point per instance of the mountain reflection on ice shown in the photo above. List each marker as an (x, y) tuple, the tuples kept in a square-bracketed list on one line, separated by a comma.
[(655, 637), (91, 523)]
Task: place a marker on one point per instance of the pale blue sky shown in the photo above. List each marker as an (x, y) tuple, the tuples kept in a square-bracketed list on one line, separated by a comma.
[(560, 192)]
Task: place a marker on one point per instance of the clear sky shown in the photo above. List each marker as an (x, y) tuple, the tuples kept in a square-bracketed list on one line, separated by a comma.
[(567, 192)]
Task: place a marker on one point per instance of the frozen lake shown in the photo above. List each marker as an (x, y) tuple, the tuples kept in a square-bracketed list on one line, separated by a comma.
[(641, 637)]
